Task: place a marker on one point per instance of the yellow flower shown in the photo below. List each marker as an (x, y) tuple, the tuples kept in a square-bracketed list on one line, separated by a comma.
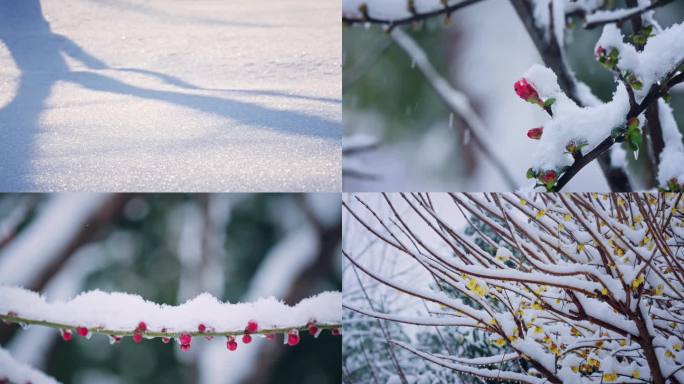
[(620, 202), (638, 219), (474, 286), (492, 321), (502, 258), (580, 248), (554, 349), (537, 306), (594, 363), (499, 342), (523, 202), (599, 344), (636, 283), (604, 292), (574, 369), (622, 342), (659, 289), (540, 214), (677, 347), (669, 354), (612, 376), (567, 217), (636, 374), (560, 227), (574, 331), (538, 329)]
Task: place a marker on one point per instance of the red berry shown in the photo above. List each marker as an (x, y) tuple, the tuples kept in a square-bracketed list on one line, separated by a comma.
[(201, 328), (142, 327), (246, 338), (231, 344), (165, 340), (535, 133), (185, 338), (525, 90), (82, 331), (137, 337), (548, 177), (270, 336), (335, 331), (252, 326), (66, 334), (185, 347), (115, 339), (293, 337)]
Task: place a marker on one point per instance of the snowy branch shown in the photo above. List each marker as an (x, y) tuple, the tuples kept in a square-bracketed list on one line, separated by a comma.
[(410, 12), (584, 287), (14, 371), (118, 315)]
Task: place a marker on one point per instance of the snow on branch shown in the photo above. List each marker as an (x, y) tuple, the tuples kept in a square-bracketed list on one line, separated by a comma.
[(575, 135), (119, 314), (584, 288), (14, 371), (392, 13)]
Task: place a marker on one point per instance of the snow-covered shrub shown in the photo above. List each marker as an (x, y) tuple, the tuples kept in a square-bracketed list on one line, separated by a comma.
[(566, 288)]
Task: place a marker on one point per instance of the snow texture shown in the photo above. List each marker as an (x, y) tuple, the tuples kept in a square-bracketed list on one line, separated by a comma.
[(123, 312), (672, 158), (17, 372), (662, 54), (170, 96)]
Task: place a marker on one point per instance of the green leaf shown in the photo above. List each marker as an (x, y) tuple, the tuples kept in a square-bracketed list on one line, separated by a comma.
[(531, 174), (549, 102)]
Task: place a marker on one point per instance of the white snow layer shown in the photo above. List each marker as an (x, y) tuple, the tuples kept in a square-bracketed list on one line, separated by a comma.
[(122, 312), (662, 53), (589, 125), (672, 157), (17, 372), (172, 96)]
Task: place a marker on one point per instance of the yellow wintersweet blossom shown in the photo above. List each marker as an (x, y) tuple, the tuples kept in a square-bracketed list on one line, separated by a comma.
[(540, 214), (659, 289), (492, 321), (523, 202), (560, 227), (499, 342), (567, 217), (554, 349), (677, 347), (636, 374), (622, 342), (474, 286), (604, 292), (537, 306), (594, 363), (669, 354), (538, 329), (610, 376), (502, 258), (580, 247), (636, 283)]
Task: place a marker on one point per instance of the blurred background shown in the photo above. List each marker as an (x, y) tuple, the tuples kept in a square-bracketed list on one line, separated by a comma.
[(169, 248), (416, 144)]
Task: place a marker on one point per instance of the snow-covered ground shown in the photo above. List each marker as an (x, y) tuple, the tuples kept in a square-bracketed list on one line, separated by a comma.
[(203, 95)]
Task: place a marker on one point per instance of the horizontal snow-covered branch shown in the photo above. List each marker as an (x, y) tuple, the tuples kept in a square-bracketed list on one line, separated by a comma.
[(120, 314), (392, 12)]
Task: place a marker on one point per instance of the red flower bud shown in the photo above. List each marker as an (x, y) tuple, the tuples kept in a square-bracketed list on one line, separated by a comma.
[(313, 329), (185, 338), (535, 133), (270, 336), (201, 328), (600, 51), (165, 340), (137, 337), (252, 326), (82, 331), (66, 334), (335, 331), (231, 344), (185, 347), (526, 91), (246, 338), (293, 337), (548, 177), (142, 327)]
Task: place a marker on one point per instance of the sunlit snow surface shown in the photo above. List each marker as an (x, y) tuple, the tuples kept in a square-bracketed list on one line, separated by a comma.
[(160, 96)]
